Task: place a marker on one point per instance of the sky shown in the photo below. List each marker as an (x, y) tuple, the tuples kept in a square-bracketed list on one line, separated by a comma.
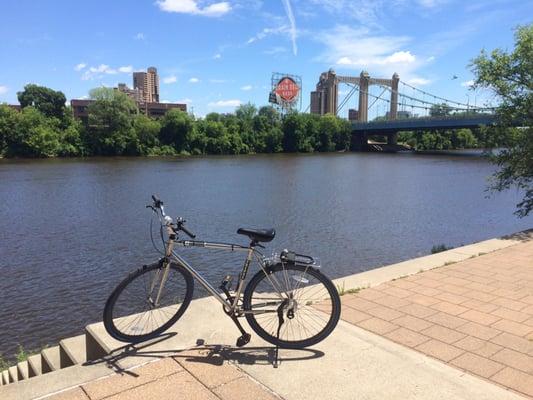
[(214, 55)]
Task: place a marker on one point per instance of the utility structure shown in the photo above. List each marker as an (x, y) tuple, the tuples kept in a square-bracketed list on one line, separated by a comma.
[(324, 100)]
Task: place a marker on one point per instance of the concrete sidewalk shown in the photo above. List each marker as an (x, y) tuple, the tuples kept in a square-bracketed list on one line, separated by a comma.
[(476, 315), (362, 359)]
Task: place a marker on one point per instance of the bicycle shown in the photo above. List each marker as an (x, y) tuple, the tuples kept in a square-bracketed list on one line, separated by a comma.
[(289, 290)]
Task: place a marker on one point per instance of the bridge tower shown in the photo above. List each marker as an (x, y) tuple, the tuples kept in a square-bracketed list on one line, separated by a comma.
[(364, 84), (324, 99)]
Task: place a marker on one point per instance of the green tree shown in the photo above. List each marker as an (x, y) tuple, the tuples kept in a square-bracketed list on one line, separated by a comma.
[(440, 110), (110, 123), (510, 76), (48, 101), (294, 133), (328, 130), (9, 120), (176, 130), (147, 132)]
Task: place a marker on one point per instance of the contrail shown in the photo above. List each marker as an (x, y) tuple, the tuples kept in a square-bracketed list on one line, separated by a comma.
[(290, 16)]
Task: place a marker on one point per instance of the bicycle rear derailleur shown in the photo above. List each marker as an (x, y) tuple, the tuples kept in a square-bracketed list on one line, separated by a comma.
[(245, 337)]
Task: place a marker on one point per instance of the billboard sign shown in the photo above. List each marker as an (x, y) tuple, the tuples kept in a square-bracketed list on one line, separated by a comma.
[(285, 90)]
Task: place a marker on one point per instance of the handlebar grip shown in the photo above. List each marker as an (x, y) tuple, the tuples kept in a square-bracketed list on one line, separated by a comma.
[(157, 202), (189, 233)]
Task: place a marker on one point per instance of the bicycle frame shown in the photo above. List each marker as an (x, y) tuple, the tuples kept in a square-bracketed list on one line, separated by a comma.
[(171, 254)]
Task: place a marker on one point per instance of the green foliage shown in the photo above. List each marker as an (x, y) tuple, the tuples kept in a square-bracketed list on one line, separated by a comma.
[(439, 248), (48, 101), (115, 127), (110, 123), (510, 76)]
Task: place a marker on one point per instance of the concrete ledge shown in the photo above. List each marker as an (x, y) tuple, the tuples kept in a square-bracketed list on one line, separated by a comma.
[(377, 276), (34, 365), (72, 351), (50, 359)]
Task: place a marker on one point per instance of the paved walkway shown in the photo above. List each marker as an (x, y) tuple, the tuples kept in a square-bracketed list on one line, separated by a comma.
[(194, 375), (475, 315)]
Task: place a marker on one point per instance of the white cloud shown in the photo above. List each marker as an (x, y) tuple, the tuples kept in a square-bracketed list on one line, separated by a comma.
[(217, 56), (292, 22), (194, 80), (80, 66), (191, 7), (139, 36), (283, 29), (275, 50), (3, 89), (431, 58), (126, 70), (225, 103), (418, 81), (431, 3), (104, 69), (170, 79), (246, 87), (186, 101), (360, 49), (468, 84)]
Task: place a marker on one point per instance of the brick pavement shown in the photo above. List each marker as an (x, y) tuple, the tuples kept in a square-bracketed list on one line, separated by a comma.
[(193, 374), (475, 315)]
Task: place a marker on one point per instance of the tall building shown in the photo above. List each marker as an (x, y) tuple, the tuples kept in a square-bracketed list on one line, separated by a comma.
[(147, 83)]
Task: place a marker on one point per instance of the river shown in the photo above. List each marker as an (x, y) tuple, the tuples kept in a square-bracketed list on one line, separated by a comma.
[(71, 229)]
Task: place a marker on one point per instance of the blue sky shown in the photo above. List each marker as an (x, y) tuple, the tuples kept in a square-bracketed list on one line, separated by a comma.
[(218, 54)]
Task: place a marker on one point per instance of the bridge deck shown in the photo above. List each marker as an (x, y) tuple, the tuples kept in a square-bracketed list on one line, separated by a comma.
[(393, 126)]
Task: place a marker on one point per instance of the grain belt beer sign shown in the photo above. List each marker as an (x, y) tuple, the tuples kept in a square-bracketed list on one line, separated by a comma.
[(287, 89)]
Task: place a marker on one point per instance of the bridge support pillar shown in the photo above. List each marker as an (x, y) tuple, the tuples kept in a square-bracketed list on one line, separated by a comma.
[(393, 114), (392, 139), (364, 81)]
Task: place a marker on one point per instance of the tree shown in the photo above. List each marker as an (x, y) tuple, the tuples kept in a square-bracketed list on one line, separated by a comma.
[(440, 110), (510, 76), (146, 131), (110, 123), (176, 130), (48, 101)]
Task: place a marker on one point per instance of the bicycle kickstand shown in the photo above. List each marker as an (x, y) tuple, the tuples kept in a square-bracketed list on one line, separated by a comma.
[(281, 320)]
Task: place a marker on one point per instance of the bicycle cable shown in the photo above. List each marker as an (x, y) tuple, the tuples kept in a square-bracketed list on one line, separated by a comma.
[(152, 236)]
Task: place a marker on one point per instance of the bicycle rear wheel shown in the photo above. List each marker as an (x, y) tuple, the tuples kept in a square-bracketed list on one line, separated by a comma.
[(306, 299), (130, 313)]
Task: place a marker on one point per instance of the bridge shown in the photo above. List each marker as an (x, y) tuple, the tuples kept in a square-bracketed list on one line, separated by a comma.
[(398, 109)]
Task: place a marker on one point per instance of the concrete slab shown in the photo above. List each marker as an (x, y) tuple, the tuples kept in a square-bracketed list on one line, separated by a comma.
[(50, 359), (53, 382), (72, 351), (353, 361), (34, 365), (22, 369), (13, 374), (5, 377)]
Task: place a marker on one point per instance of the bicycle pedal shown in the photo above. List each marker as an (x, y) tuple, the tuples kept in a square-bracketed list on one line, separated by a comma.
[(243, 340)]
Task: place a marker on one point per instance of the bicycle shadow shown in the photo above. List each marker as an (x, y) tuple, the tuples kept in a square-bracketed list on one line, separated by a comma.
[(214, 354)]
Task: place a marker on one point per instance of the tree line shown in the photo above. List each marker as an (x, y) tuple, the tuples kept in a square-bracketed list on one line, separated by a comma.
[(45, 127)]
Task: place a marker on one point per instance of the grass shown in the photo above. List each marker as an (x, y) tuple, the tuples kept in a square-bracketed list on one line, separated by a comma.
[(342, 290), (440, 248), (21, 355)]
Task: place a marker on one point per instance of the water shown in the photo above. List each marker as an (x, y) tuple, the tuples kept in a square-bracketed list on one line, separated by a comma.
[(71, 229)]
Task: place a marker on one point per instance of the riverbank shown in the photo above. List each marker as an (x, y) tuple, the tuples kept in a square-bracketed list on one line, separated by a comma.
[(382, 324)]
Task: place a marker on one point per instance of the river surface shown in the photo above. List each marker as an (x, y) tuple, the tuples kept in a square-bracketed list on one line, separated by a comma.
[(72, 229)]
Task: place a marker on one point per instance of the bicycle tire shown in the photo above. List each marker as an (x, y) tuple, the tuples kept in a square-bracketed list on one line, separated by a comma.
[(115, 324), (268, 331)]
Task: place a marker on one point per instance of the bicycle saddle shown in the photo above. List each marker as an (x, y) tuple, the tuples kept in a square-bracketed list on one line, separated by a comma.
[(258, 235)]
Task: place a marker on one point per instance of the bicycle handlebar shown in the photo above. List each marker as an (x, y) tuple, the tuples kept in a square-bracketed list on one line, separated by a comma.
[(158, 204)]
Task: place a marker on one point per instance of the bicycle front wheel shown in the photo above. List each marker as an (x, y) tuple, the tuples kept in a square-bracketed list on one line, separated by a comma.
[(132, 313), (302, 297)]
